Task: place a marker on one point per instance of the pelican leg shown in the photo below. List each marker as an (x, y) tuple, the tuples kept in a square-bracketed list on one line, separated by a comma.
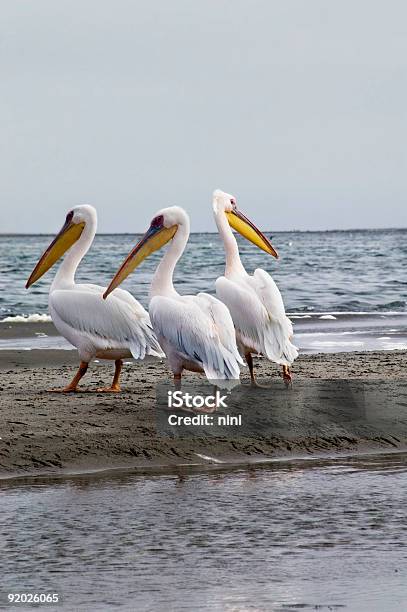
[(207, 409), (115, 386), (72, 387), (287, 377), (177, 381), (249, 361)]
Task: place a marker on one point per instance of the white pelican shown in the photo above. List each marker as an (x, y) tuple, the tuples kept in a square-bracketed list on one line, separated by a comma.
[(116, 329), (195, 331), (254, 302)]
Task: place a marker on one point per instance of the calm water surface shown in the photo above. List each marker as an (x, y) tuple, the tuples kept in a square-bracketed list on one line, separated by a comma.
[(301, 535)]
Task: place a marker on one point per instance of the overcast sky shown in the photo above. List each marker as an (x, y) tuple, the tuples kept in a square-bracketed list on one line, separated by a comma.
[(297, 107)]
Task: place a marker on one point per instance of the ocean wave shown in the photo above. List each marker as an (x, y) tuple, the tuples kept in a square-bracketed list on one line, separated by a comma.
[(335, 343), (394, 304), (31, 318)]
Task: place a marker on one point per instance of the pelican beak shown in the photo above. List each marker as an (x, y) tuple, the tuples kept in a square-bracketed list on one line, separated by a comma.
[(68, 235), (155, 237), (248, 230)]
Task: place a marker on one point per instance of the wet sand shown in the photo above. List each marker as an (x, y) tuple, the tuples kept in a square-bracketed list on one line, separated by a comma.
[(10, 329), (44, 433)]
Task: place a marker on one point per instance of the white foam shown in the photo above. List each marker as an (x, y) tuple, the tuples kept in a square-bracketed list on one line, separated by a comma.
[(341, 313), (327, 316), (310, 334), (394, 346), (328, 343), (32, 318), (207, 458)]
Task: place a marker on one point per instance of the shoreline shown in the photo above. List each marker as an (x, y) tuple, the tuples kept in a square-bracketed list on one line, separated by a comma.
[(184, 469), (313, 333), (51, 434)]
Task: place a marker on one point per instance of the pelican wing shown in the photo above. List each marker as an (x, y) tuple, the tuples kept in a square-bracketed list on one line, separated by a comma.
[(270, 296), (248, 313), (117, 322), (258, 313), (199, 328)]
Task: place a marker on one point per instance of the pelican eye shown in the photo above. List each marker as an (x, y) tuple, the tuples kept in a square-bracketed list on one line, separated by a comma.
[(158, 221), (69, 216)]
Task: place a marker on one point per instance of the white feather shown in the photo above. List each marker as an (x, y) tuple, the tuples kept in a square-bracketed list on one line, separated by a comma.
[(258, 314), (198, 330), (96, 326)]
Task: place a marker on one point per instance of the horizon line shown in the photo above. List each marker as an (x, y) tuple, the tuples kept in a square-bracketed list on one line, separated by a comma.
[(296, 231)]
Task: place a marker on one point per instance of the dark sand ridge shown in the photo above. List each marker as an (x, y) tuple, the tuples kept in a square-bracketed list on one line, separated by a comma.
[(44, 433)]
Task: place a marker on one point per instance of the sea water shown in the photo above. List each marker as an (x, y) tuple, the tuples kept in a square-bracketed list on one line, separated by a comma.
[(344, 290), (300, 535)]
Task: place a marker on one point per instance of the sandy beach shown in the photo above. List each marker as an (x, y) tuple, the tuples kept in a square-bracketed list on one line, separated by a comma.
[(43, 432)]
